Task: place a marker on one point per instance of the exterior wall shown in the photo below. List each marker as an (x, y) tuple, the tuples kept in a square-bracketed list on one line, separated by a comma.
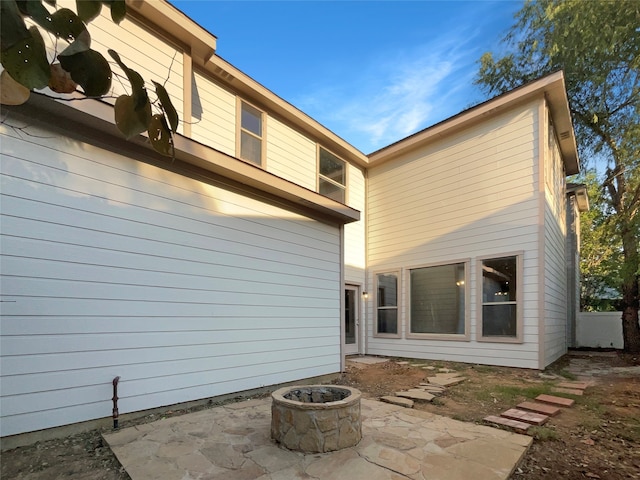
[(153, 57), (355, 246), (113, 267), (470, 195), (599, 330), (572, 249), (555, 273), (291, 155), (213, 115), (355, 234)]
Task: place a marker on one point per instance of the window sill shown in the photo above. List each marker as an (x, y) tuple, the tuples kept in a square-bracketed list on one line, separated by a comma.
[(500, 339), (449, 337), (387, 335)]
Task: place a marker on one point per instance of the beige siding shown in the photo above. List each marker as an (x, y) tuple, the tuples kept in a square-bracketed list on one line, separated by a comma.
[(213, 112), (354, 233), (152, 57), (290, 155), (470, 195), (184, 289), (555, 273)]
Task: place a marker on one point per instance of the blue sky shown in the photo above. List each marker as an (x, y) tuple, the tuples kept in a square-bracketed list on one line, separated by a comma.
[(373, 72)]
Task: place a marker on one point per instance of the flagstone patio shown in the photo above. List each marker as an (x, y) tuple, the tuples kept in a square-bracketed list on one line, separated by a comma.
[(232, 442)]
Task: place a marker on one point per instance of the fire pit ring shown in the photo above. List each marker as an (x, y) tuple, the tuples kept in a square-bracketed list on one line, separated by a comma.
[(316, 418)]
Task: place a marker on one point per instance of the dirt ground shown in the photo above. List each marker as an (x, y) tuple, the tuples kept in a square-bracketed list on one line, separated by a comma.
[(598, 438)]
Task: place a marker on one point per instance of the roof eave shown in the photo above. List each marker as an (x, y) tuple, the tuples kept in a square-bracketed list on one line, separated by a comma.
[(551, 86), (176, 24), (92, 121), (579, 190), (202, 47)]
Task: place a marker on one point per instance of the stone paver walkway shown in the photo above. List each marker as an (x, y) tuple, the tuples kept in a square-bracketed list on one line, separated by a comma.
[(233, 442), (359, 361), (589, 365)]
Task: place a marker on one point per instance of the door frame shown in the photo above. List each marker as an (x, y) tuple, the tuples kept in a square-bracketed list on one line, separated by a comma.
[(352, 349)]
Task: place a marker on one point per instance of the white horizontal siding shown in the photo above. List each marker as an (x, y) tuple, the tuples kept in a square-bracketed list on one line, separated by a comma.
[(472, 194), (555, 271), (213, 111), (555, 289), (290, 154), (186, 290)]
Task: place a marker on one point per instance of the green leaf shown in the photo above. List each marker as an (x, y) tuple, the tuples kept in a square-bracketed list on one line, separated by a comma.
[(90, 70), (138, 91), (35, 10), (82, 43), (11, 92), (131, 121), (160, 136), (12, 27), (118, 9), (65, 24), (26, 61), (167, 106), (88, 9)]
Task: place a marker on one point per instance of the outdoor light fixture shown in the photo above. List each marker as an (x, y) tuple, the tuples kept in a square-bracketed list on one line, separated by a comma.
[(365, 295)]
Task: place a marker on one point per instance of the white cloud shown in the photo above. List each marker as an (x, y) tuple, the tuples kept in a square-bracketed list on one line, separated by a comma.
[(394, 97)]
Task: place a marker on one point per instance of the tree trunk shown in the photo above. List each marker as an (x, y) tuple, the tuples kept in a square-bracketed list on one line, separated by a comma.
[(630, 292)]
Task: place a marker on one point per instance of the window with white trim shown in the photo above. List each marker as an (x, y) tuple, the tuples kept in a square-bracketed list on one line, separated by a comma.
[(387, 303), (332, 176), (499, 297), (251, 134), (437, 297)]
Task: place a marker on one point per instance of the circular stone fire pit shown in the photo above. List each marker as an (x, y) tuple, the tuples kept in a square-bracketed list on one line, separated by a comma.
[(316, 418)]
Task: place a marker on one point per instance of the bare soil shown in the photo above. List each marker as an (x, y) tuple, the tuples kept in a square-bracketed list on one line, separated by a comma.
[(598, 438)]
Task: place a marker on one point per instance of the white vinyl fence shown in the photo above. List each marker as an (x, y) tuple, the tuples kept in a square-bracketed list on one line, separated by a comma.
[(599, 330)]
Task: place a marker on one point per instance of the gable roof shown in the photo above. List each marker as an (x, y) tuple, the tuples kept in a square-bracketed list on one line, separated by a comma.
[(552, 87)]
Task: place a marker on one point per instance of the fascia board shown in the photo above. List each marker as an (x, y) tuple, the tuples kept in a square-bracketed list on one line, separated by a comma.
[(241, 83), (552, 87), (169, 19), (93, 119)]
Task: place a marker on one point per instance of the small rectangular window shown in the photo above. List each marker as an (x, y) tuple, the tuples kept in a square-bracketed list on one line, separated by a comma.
[(332, 176), (251, 134), (437, 299), (499, 297), (387, 303)]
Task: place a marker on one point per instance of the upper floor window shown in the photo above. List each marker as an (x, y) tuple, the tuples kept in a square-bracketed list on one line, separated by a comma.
[(251, 134), (332, 176)]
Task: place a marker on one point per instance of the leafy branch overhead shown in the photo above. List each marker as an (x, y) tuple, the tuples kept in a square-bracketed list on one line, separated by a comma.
[(27, 65)]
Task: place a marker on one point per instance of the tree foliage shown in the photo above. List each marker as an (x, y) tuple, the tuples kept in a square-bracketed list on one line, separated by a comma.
[(600, 253), (28, 66), (597, 44)]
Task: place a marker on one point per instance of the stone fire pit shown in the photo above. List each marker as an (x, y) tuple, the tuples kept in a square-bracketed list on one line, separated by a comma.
[(316, 418)]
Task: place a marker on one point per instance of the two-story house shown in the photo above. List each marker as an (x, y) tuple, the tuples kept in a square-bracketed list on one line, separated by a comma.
[(269, 248)]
